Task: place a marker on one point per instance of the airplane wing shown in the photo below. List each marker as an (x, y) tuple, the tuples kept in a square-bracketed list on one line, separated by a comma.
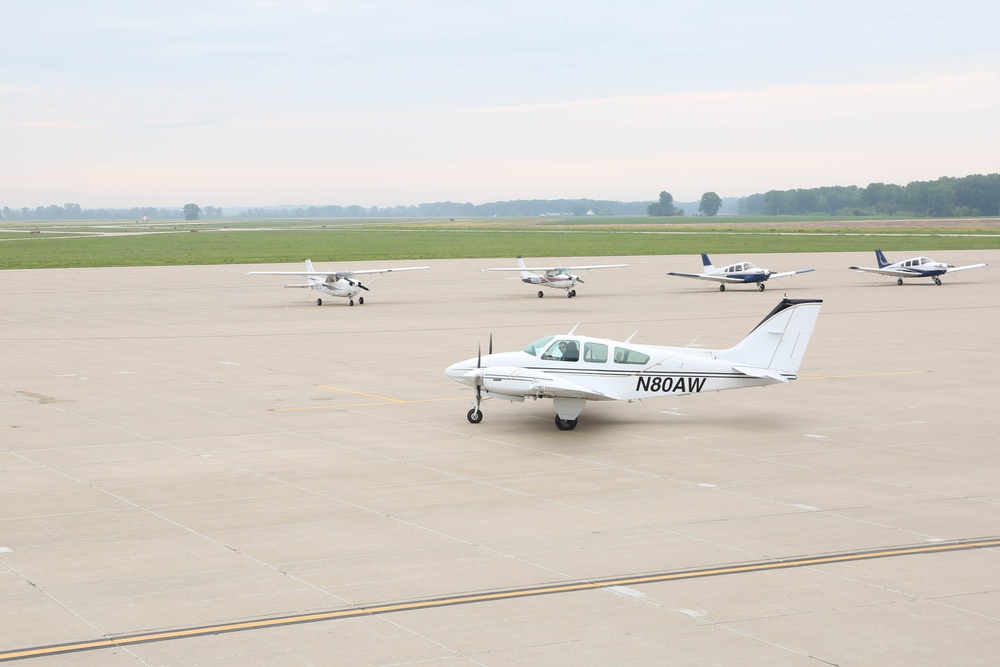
[(401, 268), (332, 273), (963, 268), (897, 273), (790, 273), (549, 386), (543, 269), (706, 276), (519, 381)]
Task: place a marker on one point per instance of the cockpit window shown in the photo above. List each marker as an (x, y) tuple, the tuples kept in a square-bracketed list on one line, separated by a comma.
[(563, 350), (623, 355), (596, 353), (538, 346)]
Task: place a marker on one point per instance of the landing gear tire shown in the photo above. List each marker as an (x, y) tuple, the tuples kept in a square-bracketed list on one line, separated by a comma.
[(319, 302), (937, 281), (350, 302), (475, 416), (899, 281), (361, 300), (571, 293), (540, 294), (722, 288), (564, 424), (760, 287)]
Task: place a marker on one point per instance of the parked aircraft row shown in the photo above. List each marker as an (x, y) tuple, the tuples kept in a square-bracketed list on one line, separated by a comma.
[(572, 369), (345, 283)]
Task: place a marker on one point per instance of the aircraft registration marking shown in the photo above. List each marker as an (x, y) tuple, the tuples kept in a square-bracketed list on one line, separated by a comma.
[(488, 596)]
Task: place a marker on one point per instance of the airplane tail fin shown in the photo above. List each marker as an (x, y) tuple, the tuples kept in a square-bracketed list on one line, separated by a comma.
[(707, 263), (309, 266), (776, 346), (882, 261), (524, 272)]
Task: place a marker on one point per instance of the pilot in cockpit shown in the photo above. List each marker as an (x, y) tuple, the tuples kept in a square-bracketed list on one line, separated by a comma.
[(569, 351)]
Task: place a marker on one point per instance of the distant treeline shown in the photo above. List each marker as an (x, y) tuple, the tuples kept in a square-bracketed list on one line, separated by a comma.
[(447, 209), (75, 212), (969, 196)]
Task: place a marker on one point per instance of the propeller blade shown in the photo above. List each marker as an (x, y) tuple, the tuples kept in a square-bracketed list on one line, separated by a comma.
[(579, 279), (491, 343), (363, 287)]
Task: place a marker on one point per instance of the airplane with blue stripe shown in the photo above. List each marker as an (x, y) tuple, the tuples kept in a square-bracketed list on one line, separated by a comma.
[(739, 272), (916, 267)]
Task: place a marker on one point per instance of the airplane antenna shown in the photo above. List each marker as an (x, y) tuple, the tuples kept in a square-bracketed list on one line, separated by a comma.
[(573, 330), (629, 339)]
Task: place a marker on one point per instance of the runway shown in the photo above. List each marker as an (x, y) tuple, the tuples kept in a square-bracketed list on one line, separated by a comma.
[(199, 467)]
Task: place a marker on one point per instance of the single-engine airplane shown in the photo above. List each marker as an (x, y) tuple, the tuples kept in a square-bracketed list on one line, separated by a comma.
[(573, 369), (740, 272), (335, 283), (917, 267), (556, 277)]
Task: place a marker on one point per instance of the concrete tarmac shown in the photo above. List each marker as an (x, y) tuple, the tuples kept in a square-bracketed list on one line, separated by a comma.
[(200, 467)]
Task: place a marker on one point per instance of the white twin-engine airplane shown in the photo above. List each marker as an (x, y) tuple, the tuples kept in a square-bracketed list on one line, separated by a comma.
[(573, 369), (557, 277), (740, 272), (335, 283), (918, 267)]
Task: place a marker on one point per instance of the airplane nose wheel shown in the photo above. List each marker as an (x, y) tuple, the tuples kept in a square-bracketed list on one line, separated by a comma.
[(475, 415), (319, 302), (540, 294), (562, 424), (760, 287), (937, 281)]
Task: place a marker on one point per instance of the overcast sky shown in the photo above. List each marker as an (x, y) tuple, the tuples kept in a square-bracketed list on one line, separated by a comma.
[(387, 102)]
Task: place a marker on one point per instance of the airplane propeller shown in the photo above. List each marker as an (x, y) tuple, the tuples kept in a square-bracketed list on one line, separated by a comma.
[(355, 283), (475, 414)]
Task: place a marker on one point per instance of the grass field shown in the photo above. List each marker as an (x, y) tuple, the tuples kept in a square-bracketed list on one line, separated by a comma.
[(61, 245)]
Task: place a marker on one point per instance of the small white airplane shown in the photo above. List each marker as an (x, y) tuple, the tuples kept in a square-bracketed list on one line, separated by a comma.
[(556, 277), (917, 267), (335, 283), (740, 272), (573, 369)]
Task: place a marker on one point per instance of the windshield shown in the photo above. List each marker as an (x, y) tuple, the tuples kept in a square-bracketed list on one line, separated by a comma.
[(538, 346)]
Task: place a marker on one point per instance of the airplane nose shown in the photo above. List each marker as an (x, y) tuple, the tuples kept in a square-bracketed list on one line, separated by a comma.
[(462, 371)]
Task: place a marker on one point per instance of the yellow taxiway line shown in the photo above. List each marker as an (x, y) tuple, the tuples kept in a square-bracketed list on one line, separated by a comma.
[(487, 596)]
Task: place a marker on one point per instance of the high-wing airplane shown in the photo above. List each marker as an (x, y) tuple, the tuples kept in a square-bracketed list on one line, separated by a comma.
[(335, 283), (557, 277), (740, 272), (573, 369), (917, 267)]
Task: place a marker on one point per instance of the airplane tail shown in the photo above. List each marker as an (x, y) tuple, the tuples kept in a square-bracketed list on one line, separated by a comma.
[(776, 346), (707, 263), (309, 266), (524, 273), (882, 261)]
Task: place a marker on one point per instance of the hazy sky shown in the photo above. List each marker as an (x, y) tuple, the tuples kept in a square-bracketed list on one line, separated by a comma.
[(386, 102)]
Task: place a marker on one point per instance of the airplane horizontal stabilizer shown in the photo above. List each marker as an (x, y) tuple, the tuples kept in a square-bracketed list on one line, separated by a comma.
[(760, 373)]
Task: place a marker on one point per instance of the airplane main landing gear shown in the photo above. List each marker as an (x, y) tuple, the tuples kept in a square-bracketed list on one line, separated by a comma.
[(899, 281), (540, 294), (350, 302), (319, 302), (760, 287), (361, 300), (722, 288), (475, 415), (565, 424)]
